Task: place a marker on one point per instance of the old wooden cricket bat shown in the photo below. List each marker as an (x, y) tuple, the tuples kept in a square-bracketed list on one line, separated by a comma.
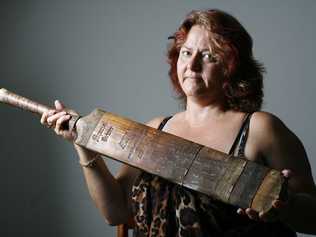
[(233, 180)]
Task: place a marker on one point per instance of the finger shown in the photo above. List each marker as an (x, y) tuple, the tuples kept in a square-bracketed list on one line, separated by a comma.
[(60, 121), (59, 106), (265, 217), (52, 119), (287, 173), (71, 112), (252, 214), (279, 204), (45, 115), (241, 211)]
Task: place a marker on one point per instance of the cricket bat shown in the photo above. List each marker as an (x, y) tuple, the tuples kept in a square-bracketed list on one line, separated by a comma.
[(233, 180)]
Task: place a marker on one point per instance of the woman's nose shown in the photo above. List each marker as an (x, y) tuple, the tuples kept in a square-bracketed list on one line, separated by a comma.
[(195, 63)]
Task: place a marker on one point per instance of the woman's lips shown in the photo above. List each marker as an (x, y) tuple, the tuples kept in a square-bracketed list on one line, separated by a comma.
[(193, 77)]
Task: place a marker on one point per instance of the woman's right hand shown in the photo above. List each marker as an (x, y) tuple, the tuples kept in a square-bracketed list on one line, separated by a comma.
[(55, 119)]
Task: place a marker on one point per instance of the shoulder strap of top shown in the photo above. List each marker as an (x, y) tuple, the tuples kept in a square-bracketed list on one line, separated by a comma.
[(163, 122), (241, 138)]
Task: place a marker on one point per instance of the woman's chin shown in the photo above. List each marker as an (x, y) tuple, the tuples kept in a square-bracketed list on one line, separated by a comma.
[(200, 94), (195, 93), (193, 90)]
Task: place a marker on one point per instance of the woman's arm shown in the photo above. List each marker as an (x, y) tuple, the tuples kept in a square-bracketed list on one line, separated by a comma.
[(282, 150), (106, 191), (110, 194)]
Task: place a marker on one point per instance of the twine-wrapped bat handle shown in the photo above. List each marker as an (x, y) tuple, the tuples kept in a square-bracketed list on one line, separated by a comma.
[(21, 102)]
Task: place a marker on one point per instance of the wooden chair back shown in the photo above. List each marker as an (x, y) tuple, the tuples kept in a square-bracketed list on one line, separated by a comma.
[(122, 230)]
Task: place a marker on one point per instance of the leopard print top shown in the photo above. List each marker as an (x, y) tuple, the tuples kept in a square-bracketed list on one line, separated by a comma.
[(164, 209)]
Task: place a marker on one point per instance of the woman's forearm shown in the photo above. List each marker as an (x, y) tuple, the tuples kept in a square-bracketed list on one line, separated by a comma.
[(104, 189)]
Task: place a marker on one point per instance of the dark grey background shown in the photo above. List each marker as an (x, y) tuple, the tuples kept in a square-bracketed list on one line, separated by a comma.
[(111, 54)]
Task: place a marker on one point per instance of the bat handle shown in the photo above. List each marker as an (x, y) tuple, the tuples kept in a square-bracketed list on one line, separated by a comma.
[(15, 100), (21, 102)]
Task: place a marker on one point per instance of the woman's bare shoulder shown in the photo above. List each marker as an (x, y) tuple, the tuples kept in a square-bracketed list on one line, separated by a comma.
[(265, 124), (265, 119), (281, 148), (269, 131)]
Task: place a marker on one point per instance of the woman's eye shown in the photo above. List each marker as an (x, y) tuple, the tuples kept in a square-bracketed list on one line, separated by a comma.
[(185, 53), (209, 57)]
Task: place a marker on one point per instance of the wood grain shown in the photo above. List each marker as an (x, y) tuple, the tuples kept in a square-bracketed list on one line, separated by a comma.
[(233, 180)]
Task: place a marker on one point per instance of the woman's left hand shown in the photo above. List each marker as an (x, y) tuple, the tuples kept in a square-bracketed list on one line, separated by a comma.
[(279, 207)]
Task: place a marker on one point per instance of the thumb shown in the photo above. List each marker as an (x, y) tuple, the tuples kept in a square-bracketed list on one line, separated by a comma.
[(59, 106), (287, 173)]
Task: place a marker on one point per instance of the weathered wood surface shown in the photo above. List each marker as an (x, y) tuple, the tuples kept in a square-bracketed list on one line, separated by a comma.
[(233, 180)]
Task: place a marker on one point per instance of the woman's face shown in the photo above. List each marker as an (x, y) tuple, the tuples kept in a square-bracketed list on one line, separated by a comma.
[(199, 70)]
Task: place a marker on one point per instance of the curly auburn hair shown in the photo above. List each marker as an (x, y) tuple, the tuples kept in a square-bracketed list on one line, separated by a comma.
[(243, 74)]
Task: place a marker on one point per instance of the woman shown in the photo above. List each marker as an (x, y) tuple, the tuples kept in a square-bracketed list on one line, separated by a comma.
[(219, 81)]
